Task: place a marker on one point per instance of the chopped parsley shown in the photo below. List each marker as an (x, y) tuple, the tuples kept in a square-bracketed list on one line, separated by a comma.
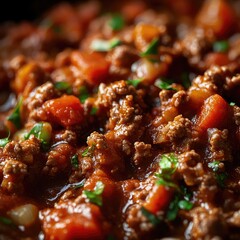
[(165, 84), (88, 152), (93, 111), (214, 165), (116, 22), (134, 82), (104, 45), (151, 217), (95, 196), (6, 221), (5, 141), (83, 94), (63, 86), (152, 48), (232, 104), (15, 117), (221, 46), (42, 131), (74, 161)]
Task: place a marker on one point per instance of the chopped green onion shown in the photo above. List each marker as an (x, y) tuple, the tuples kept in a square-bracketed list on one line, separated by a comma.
[(83, 94), (221, 46), (74, 161), (232, 104), (116, 22), (15, 117), (63, 86), (152, 48), (165, 84), (95, 196), (104, 45), (151, 217), (134, 82)]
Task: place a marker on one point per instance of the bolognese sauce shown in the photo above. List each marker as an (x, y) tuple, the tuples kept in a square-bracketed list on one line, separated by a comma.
[(121, 121)]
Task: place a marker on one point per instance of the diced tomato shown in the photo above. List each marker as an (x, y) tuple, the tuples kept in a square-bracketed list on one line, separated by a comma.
[(218, 16), (158, 199), (93, 66), (66, 110), (219, 59), (214, 113), (70, 226)]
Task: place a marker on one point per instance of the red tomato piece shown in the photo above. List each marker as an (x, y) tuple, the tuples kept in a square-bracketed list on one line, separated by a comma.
[(93, 66), (219, 59), (218, 16), (214, 113), (158, 199), (66, 110)]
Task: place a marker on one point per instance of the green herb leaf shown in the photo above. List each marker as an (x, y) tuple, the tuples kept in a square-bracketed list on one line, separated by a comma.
[(83, 94), (152, 48), (42, 131), (151, 217), (88, 152), (232, 104), (116, 22), (74, 161), (214, 165), (93, 111), (15, 117), (168, 163), (221, 178), (104, 45), (162, 180), (185, 205), (63, 86), (173, 209), (95, 196), (6, 221), (164, 84), (4, 142), (134, 82), (221, 46)]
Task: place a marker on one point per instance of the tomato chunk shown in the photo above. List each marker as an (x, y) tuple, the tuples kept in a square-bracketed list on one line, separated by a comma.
[(66, 110), (214, 113), (93, 66), (159, 198), (218, 16)]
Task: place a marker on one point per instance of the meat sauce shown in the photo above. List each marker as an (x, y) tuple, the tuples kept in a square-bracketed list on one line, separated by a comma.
[(121, 121)]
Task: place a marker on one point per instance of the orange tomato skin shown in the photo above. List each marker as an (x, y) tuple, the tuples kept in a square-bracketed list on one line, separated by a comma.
[(93, 66), (66, 110), (218, 16), (214, 113), (158, 199)]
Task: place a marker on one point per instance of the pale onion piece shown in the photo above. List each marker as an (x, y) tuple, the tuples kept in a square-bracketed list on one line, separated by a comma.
[(24, 215)]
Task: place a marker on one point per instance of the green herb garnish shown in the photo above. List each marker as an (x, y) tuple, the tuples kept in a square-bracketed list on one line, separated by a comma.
[(221, 46), (88, 152), (74, 161), (5, 141), (134, 82), (95, 196), (116, 22), (63, 86), (214, 165), (185, 205), (165, 84), (83, 94), (152, 48), (232, 104), (6, 221), (15, 117), (104, 45), (93, 111), (151, 217)]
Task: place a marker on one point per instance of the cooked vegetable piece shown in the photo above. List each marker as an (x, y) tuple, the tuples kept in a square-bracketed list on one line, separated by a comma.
[(15, 117), (116, 22)]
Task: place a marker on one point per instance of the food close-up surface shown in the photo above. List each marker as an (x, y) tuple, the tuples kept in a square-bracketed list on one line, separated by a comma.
[(120, 120)]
